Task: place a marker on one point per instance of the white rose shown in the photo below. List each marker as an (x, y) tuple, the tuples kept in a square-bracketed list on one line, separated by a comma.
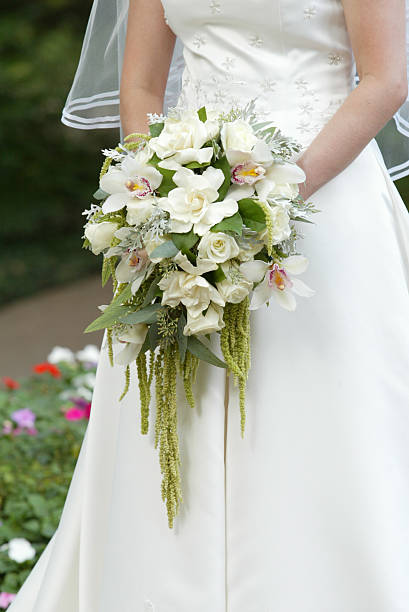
[(211, 322), (20, 550), (100, 235), (184, 139), (281, 225), (218, 247), (139, 209), (194, 291), (237, 135), (235, 287)]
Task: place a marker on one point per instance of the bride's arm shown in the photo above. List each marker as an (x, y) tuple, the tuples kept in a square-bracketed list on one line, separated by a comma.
[(377, 33), (148, 51)]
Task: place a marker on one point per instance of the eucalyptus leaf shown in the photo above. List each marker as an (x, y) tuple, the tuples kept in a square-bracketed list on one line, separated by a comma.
[(100, 194), (166, 249), (153, 336), (144, 315), (152, 292), (197, 348), (112, 312), (181, 338)]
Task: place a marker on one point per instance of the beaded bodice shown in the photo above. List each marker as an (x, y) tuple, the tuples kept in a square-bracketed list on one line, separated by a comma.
[(293, 56)]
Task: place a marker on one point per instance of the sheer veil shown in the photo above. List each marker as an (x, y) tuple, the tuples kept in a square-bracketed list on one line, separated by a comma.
[(93, 100)]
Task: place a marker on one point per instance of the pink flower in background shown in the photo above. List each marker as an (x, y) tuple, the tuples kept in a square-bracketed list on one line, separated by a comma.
[(74, 414), (6, 599), (24, 418), (7, 427)]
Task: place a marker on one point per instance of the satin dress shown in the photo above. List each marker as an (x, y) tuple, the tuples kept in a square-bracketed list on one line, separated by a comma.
[(310, 511)]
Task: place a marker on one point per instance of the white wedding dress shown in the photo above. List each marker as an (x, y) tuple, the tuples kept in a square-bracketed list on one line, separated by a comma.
[(310, 511)]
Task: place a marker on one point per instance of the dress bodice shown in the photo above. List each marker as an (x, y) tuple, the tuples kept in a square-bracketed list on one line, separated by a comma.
[(293, 56)]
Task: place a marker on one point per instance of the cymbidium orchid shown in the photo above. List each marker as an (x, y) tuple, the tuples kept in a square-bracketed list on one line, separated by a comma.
[(133, 178), (133, 268), (275, 279), (131, 338)]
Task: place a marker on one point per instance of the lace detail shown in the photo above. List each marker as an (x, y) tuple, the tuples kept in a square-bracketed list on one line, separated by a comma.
[(148, 606), (256, 41), (334, 59), (310, 12), (215, 7), (198, 40)]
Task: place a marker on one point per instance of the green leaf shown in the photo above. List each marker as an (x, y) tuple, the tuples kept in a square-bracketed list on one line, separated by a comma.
[(303, 220), (184, 242), (224, 165), (155, 129), (230, 224), (193, 165), (152, 292), (202, 114), (106, 271), (144, 315), (153, 336), (215, 276), (154, 160), (166, 249), (100, 194), (252, 215), (197, 348), (181, 338), (112, 313), (167, 183)]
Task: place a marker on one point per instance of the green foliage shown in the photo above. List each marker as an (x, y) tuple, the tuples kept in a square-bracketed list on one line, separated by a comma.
[(36, 470), (252, 215)]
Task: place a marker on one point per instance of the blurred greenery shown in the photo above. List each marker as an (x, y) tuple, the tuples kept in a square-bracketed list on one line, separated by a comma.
[(48, 171), (36, 468)]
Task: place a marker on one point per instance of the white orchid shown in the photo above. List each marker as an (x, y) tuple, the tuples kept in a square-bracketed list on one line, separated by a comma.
[(193, 203), (202, 265), (183, 139), (133, 336), (192, 290), (133, 179), (133, 268), (276, 280)]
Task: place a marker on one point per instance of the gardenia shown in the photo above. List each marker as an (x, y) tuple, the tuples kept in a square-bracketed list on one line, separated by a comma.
[(194, 291)]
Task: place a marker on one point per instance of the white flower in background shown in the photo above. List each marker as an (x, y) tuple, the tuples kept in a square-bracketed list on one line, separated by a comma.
[(19, 550), (133, 337), (207, 323), (193, 201), (100, 235), (89, 354), (84, 380), (132, 180), (202, 265), (139, 209), (238, 138), (194, 291), (217, 247), (280, 220), (235, 287), (61, 353), (183, 139), (276, 280), (133, 268)]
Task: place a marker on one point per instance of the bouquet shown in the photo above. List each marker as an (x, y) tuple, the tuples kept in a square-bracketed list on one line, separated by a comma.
[(196, 223)]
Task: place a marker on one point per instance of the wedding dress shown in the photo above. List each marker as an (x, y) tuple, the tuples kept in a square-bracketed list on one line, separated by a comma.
[(310, 511)]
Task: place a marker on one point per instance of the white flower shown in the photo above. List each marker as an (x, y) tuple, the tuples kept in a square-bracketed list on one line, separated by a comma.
[(139, 209), (235, 287), (207, 323), (134, 179), (89, 354), (184, 138), (249, 246), (133, 337), (280, 220), (193, 201), (202, 265), (217, 247), (280, 179), (194, 291), (276, 280), (61, 353), (100, 235), (84, 380), (20, 550), (133, 268), (238, 138)]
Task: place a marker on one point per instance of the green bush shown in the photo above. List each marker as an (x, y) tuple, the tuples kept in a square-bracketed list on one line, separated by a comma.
[(37, 460)]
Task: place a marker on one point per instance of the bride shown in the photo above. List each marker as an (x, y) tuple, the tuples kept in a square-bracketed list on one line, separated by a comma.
[(310, 511)]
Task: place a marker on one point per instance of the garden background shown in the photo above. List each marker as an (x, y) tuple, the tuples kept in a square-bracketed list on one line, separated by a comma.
[(49, 286)]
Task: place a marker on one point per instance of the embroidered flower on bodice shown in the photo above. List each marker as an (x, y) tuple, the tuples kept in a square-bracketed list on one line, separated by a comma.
[(334, 58), (310, 11), (215, 7), (256, 41)]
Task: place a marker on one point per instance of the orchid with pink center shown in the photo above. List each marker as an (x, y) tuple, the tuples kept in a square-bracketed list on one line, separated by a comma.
[(133, 179), (133, 268), (133, 337), (275, 279)]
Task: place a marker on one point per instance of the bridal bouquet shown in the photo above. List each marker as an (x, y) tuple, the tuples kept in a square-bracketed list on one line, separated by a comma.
[(196, 223)]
